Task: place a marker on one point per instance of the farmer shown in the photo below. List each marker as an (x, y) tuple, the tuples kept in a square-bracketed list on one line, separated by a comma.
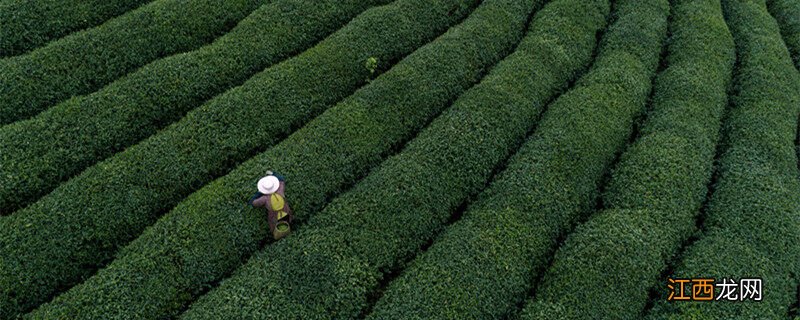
[(271, 196)]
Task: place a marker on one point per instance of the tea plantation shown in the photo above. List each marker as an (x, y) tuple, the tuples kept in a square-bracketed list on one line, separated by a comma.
[(443, 159)]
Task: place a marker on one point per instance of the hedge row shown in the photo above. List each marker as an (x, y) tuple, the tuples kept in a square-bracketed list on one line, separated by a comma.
[(441, 283), (753, 220), (26, 24), (210, 233), (81, 224), (607, 266), (317, 271), (40, 153), (87, 60), (787, 12), (483, 265), (329, 267)]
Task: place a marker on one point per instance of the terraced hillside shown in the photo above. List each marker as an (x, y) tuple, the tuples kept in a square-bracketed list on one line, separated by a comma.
[(447, 159)]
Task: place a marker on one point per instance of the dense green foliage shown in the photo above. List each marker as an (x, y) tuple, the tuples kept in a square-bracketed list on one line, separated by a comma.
[(316, 160), (787, 12), (27, 24), (491, 256), (607, 266), (82, 223), (448, 281), (330, 264), (40, 153), (752, 226), (87, 60), (437, 166)]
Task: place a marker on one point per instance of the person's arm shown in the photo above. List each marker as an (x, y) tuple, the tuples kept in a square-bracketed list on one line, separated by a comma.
[(254, 200)]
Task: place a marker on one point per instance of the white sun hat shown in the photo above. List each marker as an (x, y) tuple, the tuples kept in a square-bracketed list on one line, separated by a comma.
[(268, 185)]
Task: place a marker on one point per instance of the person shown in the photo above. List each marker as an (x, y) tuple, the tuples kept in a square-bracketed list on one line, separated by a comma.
[(271, 195)]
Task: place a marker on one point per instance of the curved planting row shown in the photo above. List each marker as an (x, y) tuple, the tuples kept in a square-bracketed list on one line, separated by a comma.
[(80, 225), (210, 233), (753, 220), (489, 259), (607, 266), (87, 60), (40, 153), (26, 24), (331, 265), (448, 281), (787, 12)]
